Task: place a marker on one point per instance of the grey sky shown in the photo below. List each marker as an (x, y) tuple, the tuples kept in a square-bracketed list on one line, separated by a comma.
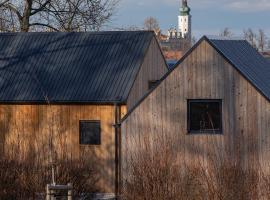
[(208, 16)]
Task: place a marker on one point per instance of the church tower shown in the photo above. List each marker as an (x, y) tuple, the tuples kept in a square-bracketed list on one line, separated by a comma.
[(184, 21)]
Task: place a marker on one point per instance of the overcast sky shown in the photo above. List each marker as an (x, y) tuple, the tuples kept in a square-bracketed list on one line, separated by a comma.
[(208, 16)]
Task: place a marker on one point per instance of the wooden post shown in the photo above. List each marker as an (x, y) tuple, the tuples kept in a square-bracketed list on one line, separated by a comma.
[(70, 188), (48, 195)]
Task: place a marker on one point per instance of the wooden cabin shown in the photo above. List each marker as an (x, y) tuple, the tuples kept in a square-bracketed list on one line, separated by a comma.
[(67, 91), (216, 101)]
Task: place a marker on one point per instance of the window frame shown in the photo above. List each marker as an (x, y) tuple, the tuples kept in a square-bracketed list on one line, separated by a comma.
[(89, 121), (214, 132)]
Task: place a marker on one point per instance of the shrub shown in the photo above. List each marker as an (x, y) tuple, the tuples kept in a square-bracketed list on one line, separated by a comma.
[(154, 173), (27, 180)]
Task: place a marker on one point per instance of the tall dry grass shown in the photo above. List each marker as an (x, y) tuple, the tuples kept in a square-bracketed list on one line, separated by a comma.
[(22, 179), (26, 163), (153, 172)]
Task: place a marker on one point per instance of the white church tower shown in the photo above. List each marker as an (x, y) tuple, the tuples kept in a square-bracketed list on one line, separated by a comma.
[(184, 21)]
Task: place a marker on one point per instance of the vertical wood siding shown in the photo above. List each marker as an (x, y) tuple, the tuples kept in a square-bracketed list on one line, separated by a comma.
[(26, 129), (153, 68), (204, 74)]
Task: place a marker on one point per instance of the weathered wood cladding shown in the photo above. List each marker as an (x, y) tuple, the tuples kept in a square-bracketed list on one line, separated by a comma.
[(27, 129), (204, 74), (153, 68)]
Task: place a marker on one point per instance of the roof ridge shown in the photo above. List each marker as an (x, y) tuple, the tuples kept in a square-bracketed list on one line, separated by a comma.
[(216, 37), (89, 32)]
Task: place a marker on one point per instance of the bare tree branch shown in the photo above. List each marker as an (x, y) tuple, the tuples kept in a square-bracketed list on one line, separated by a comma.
[(226, 32), (13, 8), (261, 40), (41, 8), (3, 3), (250, 36), (46, 25), (151, 23), (64, 15)]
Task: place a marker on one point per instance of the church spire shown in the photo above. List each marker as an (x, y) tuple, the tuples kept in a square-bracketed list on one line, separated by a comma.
[(184, 21), (184, 3), (184, 10)]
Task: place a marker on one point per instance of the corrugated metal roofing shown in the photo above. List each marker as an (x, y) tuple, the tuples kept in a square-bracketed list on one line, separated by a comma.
[(70, 67), (251, 64), (171, 63)]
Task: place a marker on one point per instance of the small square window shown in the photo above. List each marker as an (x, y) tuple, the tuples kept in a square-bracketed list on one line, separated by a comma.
[(152, 84), (90, 133), (205, 116)]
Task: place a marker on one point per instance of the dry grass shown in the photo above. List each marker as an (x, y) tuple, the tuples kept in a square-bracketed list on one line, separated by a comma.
[(27, 178), (154, 173), (24, 174)]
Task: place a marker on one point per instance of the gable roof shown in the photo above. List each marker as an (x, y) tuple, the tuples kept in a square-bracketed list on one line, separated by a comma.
[(94, 67), (246, 59), (240, 54)]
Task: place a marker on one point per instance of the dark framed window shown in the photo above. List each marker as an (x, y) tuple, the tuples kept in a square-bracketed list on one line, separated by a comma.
[(205, 116), (90, 132), (152, 84)]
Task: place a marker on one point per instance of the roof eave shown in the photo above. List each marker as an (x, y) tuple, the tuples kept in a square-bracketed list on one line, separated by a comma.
[(62, 103)]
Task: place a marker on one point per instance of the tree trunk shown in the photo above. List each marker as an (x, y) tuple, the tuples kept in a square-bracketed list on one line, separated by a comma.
[(25, 21), (24, 25)]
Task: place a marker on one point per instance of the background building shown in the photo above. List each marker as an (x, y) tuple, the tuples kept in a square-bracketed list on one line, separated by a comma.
[(178, 40), (184, 21)]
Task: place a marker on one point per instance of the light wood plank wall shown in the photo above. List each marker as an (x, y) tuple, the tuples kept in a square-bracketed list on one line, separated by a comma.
[(204, 74), (26, 129), (153, 68)]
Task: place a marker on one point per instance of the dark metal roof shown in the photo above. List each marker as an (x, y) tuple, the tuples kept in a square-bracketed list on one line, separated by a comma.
[(247, 60), (171, 64), (70, 67)]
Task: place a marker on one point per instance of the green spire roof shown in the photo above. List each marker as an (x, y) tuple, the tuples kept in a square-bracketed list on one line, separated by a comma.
[(184, 10)]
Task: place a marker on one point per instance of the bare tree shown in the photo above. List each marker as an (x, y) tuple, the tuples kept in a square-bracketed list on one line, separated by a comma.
[(193, 40), (57, 15), (261, 40), (151, 23), (226, 32), (250, 36), (6, 20)]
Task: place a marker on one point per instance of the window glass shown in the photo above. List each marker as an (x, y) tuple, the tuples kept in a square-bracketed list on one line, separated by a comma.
[(204, 116), (90, 133)]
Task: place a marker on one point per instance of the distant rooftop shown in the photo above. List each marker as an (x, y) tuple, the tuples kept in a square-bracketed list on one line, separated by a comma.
[(171, 63)]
